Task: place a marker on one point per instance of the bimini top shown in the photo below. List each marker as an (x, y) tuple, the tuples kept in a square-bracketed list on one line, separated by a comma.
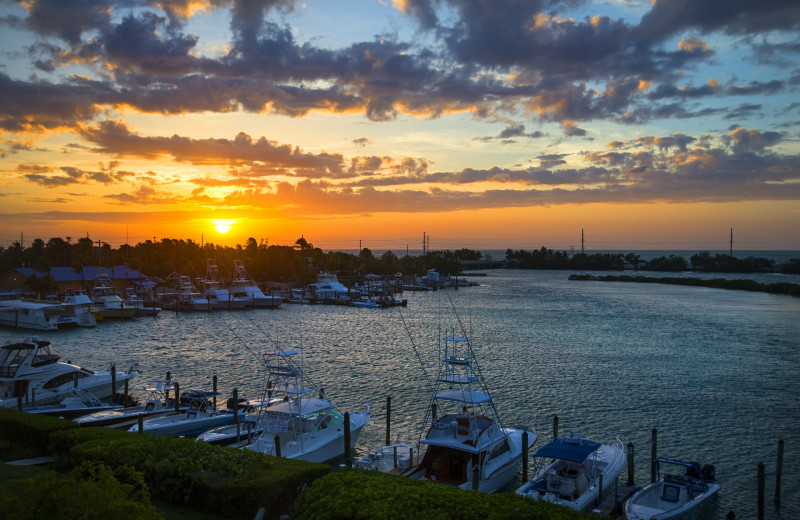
[(568, 449), (464, 396)]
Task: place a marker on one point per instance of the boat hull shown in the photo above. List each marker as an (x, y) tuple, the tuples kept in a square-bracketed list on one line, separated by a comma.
[(179, 425), (646, 504)]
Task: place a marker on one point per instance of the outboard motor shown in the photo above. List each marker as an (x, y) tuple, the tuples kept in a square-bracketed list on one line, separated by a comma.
[(709, 472), (692, 471)]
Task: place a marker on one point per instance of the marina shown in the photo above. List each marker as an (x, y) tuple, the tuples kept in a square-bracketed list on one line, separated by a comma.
[(713, 370)]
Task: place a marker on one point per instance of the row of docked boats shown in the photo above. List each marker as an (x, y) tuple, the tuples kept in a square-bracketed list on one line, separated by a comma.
[(463, 441)]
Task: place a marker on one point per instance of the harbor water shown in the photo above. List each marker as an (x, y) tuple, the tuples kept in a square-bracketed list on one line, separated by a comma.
[(714, 371)]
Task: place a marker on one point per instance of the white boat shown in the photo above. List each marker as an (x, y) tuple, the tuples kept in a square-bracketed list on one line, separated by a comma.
[(395, 459), (327, 288), (248, 428), (216, 293), (105, 294), (366, 304), (77, 403), (305, 426), (184, 297), (32, 369), (198, 417), (674, 495), (157, 402), (142, 309), (467, 444), (30, 315), (79, 298), (243, 287), (575, 472)]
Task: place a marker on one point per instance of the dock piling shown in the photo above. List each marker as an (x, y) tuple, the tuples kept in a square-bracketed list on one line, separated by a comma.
[(347, 438), (177, 397), (389, 420), (555, 427), (140, 421), (277, 446), (630, 463), (653, 452), (236, 414), (778, 470), (214, 385), (113, 381), (524, 457), (760, 491)]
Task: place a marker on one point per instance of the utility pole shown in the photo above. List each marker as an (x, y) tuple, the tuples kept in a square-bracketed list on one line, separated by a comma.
[(423, 243), (583, 249), (731, 252), (359, 246)]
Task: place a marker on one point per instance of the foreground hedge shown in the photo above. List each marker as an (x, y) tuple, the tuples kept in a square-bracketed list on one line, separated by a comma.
[(232, 483), (358, 494), (30, 433)]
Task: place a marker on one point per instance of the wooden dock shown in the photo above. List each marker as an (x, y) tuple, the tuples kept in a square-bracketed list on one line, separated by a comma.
[(614, 502)]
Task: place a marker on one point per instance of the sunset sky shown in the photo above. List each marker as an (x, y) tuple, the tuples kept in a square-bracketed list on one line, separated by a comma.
[(483, 124)]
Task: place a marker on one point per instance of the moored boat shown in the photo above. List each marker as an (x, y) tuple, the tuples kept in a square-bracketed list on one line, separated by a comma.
[(156, 403), (575, 472), (199, 416), (674, 495), (244, 288), (106, 295), (77, 403), (302, 425)]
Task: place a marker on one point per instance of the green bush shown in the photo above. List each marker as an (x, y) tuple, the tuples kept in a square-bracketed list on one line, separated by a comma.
[(91, 492), (26, 434), (231, 482), (357, 494)]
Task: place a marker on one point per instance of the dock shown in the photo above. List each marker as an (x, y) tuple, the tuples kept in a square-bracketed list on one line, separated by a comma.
[(613, 503)]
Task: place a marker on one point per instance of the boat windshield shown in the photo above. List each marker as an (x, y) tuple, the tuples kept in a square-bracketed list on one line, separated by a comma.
[(46, 355), (11, 357)]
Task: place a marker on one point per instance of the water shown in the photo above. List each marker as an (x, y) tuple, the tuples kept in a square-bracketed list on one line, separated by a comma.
[(714, 371)]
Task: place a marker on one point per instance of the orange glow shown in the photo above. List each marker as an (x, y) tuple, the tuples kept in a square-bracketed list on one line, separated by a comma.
[(223, 225)]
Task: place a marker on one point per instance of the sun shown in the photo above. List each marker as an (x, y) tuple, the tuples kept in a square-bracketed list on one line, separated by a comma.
[(223, 225)]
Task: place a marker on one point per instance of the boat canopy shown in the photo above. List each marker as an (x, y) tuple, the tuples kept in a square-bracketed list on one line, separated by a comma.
[(461, 380), (307, 406), (290, 389), (460, 340), (464, 396), (283, 353), (568, 449)]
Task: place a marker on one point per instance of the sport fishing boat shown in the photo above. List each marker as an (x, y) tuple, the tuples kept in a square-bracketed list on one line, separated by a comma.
[(467, 444), (674, 495), (575, 472), (157, 403), (199, 416), (243, 287), (216, 293), (31, 369), (78, 403), (247, 428), (184, 296), (304, 424)]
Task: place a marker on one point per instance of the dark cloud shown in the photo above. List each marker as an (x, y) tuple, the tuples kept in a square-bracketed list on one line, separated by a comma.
[(757, 87)]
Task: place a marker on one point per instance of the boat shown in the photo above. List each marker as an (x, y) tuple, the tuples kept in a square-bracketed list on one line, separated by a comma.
[(249, 426), (77, 403), (27, 314), (184, 297), (367, 304), (467, 444), (243, 287), (105, 294), (142, 308), (394, 459), (216, 293), (304, 424), (156, 403), (199, 416), (673, 496), (32, 370), (79, 297), (327, 288), (574, 472)]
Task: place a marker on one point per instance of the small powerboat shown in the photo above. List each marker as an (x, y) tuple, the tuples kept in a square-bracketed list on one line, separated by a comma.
[(674, 495)]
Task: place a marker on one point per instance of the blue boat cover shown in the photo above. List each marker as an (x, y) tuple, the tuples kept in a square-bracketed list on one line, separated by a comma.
[(568, 449)]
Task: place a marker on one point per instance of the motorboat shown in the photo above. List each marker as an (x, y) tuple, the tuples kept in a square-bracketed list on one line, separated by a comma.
[(394, 459), (467, 444), (367, 304), (199, 416), (32, 370), (244, 287), (185, 296), (248, 426), (77, 403), (79, 298), (104, 293), (327, 288), (156, 403), (142, 308), (216, 293), (678, 495), (42, 315), (574, 472), (304, 424)]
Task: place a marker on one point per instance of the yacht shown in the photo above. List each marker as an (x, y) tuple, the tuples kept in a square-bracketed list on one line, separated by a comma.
[(304, 424), (32, 370), (79, 298), (200, 415), (184, 296), (328, 288), (243, 287), (43, 315)]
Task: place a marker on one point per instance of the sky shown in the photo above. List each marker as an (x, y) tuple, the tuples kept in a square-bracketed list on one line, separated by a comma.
[(495, 124)]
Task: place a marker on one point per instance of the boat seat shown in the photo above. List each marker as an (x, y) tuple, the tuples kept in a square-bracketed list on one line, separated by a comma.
[(670, 493)]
